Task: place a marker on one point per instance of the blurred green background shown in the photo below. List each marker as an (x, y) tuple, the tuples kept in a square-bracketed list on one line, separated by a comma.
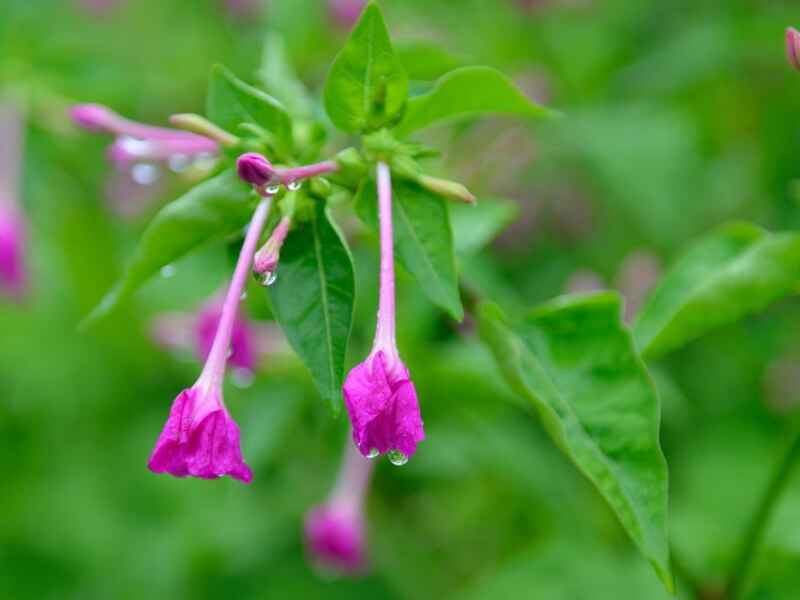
[(679, 115)]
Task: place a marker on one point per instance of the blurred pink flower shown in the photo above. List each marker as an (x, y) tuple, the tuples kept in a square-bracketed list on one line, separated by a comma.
[(13, 225), (242, 9), (200, 439), (243, 352), (793, 47), (379, 395), (345, 13), (335, 531)]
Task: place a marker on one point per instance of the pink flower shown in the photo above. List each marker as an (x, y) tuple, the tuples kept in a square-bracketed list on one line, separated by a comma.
[(793, 47), (379, 395), (13, 273), (242, 9), (200, 438), (335, 531), (345, 13), (137, 145)]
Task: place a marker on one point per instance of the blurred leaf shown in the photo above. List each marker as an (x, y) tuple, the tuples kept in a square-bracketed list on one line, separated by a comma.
[(425, 61), (423, 239), (367, 87), (465, 92), (279, 78), (211, 211), (231, 102), (474, 226), (736, 270), (575, 362), (313, 300)]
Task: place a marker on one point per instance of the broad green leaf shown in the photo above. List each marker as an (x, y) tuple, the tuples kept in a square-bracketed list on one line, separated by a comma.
[(425, 61), (279, 78), (575, 362), (211, 211), (423, 239), (465, 92), (734, 271), (474, 226), (231, 102), (367, 87), (313, 300)]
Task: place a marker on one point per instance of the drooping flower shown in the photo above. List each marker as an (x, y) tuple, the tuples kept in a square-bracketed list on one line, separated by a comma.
[(13, 226), (379, 395), (335, 531), (200, 438), (793, 47), (138, 147), (345, 13)]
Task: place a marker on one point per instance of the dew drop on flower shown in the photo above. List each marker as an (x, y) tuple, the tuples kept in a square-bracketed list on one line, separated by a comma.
[(179, 163), (168, 271), (293, 186), (397, 458), (374, 453), (273, 189), (144, 173)]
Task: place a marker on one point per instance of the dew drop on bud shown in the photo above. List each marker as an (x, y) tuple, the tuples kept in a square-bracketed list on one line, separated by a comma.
[(144, 173), (273, 189), (374, 453), (266, 279), (167, 271), (293, 186), (397, 458)]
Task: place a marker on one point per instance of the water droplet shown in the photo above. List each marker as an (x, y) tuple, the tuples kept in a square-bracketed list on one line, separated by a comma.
[(167, 271), (272, 189), (242, 378), (230, 352), (293, 186), (205, 160), (266, 279), (179, 163), (397, 458), (135, 147), (374, 453), (243, 296), (145, 173)]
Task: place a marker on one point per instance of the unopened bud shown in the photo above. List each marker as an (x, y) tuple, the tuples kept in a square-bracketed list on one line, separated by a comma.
[(93, 117), (265, 262), (448, 189), (255, 169)]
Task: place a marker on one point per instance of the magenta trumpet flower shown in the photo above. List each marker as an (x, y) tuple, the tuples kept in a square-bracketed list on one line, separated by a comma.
[(140, 144), (335, 531), (379, 395), (13, 226), (200, 439)]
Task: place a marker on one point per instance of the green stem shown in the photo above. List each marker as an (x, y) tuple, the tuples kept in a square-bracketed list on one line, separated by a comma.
[(755, 532)]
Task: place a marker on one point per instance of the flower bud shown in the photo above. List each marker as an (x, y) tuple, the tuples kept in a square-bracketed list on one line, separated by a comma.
[(92, 117), (255, 169), (448, 189), (266, 259)]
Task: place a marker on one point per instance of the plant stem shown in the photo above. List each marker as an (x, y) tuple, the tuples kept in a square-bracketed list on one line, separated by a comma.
[(755, 532)]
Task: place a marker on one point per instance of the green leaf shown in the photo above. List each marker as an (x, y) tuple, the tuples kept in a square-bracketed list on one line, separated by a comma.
[(423, 239), (367, 87), (231, 103), (313, 300), (279, 78), (211, 211), (466, 92), (736, 270), (474, 226), (425, 61), (575, 362)]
